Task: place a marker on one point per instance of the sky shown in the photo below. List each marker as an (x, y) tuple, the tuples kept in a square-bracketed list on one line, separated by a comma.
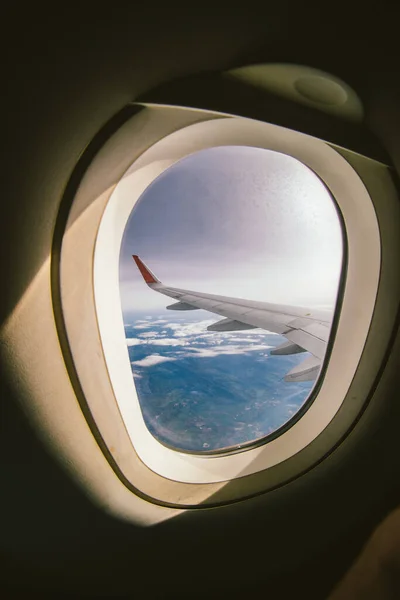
[(239, 221)]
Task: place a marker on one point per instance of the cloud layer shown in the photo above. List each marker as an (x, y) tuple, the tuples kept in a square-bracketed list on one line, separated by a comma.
[(194, 341), (152, 359)]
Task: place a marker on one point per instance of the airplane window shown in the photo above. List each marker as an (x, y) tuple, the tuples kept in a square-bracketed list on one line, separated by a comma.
[(229, 271)]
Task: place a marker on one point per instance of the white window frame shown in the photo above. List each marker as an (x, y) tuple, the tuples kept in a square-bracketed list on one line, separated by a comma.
[(362, 279)]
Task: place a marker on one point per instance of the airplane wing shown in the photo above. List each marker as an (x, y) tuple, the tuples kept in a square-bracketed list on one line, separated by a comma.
[(306, 330)]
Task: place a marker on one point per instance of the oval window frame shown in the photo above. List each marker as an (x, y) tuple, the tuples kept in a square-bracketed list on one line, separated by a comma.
[(135, 137)]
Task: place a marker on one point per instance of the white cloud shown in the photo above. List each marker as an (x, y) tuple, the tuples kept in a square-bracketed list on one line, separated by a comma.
[(151, 360), (148, 334), (168, 342), (186, 329), (150, 338), (244, 340), (145, 324), (132, 341), (218, 350), (198, 342)]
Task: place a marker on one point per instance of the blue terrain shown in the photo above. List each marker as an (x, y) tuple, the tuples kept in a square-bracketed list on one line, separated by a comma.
[(203, 391)]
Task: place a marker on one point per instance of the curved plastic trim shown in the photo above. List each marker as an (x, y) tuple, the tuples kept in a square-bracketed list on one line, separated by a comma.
[(362, 279)]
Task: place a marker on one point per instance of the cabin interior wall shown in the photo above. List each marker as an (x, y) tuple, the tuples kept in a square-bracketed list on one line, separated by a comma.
[(66, 77)]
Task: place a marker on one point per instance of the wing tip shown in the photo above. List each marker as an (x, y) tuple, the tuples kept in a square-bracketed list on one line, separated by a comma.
[(147, 275)]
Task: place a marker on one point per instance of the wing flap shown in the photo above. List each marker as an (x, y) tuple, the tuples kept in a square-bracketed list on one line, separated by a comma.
[(226, 309), (287, 348), (229, 325), (181, 306), (307, 341), (307, 370), (264, 319)]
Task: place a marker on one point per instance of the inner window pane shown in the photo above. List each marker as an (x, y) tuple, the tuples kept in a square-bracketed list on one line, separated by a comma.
[(257, 228)]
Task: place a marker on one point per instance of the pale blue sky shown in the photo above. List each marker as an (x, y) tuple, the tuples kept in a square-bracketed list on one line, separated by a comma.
[(239, 221)]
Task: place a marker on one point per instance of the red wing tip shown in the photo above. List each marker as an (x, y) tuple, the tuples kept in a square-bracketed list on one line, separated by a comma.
[(145, 272)]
